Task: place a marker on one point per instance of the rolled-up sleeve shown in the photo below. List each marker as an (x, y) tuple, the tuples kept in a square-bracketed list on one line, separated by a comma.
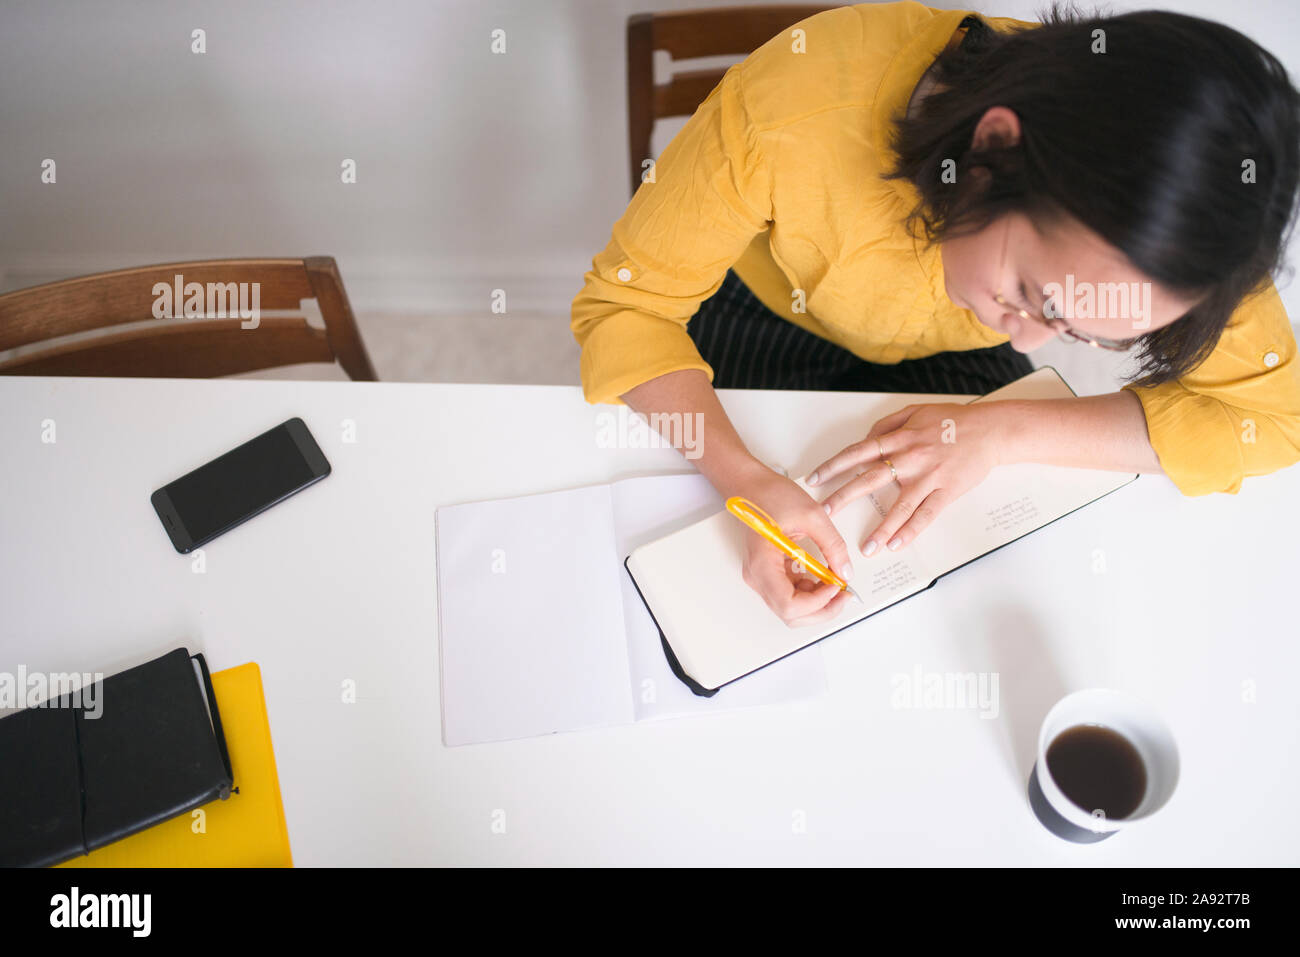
[(1237, 414), (672, 248)]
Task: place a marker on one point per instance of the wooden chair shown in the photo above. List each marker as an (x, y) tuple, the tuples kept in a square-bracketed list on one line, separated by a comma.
[(186, 348), (693, 33)]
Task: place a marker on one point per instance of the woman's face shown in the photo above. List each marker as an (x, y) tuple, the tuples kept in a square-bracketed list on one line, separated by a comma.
[(1010, 254)]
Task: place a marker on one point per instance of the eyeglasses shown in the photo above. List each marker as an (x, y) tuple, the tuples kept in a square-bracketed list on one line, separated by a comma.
[(1055, 323)]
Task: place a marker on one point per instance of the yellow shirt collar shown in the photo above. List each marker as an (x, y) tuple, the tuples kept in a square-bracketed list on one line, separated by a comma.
[(900, 78)]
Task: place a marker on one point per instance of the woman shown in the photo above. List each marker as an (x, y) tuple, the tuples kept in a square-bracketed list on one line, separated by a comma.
[(910, 199)]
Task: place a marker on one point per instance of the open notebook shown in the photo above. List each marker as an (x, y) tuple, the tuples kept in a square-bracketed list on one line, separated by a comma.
[(540, 628), (717, 629)]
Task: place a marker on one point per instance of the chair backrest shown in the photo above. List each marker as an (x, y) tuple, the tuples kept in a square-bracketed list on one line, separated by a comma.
[(185, 347), (692, 33)]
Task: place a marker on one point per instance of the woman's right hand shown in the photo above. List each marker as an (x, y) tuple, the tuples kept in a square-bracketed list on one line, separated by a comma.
[(797, 597)]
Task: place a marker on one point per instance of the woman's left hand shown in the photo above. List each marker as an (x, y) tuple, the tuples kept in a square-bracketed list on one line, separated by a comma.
[(941, 451)]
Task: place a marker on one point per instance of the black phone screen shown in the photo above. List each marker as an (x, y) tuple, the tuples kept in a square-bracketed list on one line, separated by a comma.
[(244, 481)]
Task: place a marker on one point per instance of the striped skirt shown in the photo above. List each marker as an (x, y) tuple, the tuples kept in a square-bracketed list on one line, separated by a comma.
[(751, 347)]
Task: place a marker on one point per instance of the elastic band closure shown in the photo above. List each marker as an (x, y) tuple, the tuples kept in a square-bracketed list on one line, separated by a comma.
[(81, 779), (216, 721)]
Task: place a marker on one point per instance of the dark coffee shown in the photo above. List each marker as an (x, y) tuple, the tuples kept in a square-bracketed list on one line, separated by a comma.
[(1098, 769)]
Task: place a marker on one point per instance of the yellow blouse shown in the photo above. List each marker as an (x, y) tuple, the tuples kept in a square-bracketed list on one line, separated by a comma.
[(776, 176)]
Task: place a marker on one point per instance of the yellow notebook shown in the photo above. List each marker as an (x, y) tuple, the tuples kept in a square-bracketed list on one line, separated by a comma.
[(248, 829)]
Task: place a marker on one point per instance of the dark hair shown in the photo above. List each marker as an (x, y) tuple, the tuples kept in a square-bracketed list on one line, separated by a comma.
[(1144, 144)]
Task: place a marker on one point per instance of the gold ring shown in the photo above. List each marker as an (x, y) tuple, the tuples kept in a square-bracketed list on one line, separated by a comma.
[(886, 461)]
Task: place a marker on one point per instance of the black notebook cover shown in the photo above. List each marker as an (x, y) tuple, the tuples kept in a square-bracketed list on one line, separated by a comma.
[(74, 782)]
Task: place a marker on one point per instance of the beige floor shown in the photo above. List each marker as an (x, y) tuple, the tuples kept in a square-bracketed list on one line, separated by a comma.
[(531, 351), (542, 351)]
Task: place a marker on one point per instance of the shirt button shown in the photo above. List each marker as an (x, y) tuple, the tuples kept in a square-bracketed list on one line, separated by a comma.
[(1270, 359), (625, 274)]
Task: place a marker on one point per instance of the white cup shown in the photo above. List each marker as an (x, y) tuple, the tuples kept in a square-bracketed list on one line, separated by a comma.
[(1126, 715)]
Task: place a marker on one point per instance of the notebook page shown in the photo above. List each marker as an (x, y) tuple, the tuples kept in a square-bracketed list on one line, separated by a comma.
[(1017, 499), (1013, 501), (531, 617), (885, 576), (646, 509)]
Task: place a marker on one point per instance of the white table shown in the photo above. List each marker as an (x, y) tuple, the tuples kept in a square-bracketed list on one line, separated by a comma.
[(1197, 597)]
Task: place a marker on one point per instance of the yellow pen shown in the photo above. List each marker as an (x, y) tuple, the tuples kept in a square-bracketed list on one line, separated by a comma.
[(761, 522)]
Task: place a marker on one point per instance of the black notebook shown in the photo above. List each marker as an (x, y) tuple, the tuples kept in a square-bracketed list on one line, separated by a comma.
[(715, 629), (82, 771)]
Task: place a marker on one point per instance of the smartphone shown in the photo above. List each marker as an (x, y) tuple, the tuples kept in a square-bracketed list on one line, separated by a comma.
[(244, 482)]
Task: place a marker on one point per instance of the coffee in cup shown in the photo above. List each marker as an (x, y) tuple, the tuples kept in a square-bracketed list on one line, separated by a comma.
[(1105, 761)]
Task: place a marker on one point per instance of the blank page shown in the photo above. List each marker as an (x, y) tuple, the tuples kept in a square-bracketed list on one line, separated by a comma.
[(531, 617)]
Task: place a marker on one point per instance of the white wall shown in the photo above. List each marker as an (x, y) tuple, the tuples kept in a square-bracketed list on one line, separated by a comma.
[(475, 171)]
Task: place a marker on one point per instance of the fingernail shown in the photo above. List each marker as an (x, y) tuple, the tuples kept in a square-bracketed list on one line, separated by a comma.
[(845, 571), (871, 547), (812, 479), (893, 546)]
